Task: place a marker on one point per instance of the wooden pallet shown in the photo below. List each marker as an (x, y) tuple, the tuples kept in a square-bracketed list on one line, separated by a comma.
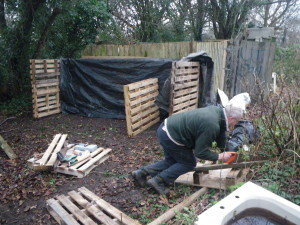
[(49, 158), (84, 207), (184, 87), (83, 168), (45, 86), (220, 179), (141, 111)]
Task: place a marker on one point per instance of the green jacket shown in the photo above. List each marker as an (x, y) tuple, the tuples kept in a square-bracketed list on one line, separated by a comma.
[(198, 128)]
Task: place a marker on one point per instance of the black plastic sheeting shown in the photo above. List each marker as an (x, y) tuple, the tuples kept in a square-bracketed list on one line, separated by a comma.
[(245, 132), (94, 87)]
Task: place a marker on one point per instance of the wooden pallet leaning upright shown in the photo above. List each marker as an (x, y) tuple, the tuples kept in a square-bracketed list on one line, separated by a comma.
[(85, 207), (141, 111), (184, 87), (45, 75)]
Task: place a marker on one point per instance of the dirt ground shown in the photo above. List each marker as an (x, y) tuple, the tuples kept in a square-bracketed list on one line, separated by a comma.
[(23, 192)]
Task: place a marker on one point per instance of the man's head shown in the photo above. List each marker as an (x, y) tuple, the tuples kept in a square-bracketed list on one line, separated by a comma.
[(234, 115)]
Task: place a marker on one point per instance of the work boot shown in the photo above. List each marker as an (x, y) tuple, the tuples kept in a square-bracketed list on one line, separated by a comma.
[(140, 176), (159, 185)]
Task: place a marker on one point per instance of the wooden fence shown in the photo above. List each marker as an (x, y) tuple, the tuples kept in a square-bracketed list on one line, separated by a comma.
[(172, 50), (141, 111), (184, 87), (45, 86)]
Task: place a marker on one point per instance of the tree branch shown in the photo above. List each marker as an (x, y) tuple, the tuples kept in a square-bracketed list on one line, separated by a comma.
[(41, 42)]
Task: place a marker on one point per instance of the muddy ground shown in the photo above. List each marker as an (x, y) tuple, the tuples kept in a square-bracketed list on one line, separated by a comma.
[(23, 192)]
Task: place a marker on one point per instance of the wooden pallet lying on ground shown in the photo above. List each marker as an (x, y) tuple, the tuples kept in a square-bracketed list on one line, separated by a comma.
[(141, 111), (45, 79), (184, 87), (83, 168), (220, 179), (47, 161), (84, 207)]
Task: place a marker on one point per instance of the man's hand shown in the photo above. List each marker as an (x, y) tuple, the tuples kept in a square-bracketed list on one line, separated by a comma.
[(224, 156)]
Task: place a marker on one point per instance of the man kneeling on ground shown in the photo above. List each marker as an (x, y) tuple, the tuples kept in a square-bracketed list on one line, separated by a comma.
[(179, 134)]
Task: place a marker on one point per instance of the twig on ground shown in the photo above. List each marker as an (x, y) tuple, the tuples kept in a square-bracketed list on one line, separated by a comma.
[(9, 118)]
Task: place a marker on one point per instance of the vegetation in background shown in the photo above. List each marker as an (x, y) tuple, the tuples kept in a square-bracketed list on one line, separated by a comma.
[(42, 29)]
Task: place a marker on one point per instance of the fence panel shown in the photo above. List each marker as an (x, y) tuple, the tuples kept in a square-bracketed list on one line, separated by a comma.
[(184, 86), (45, 75), (173, 50), (141, 111)]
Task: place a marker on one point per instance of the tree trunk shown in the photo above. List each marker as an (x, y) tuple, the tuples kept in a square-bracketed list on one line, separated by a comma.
[(2, 16), (41, 42)]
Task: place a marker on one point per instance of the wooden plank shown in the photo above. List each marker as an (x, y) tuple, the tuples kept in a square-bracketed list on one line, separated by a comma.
[(143, 83), (145, 127), (57, 149), (48, 113), (185, 109), (7, 149), (48, 107), (142, 107), (127, 109), (75, 210), (186, 85), (107, 207), (37, 61), (143, 121), (95, 159), (185, 98), (49, 149), (186, 64), (59, 213), (187, 71), (233, 165), (185, 91), (47, 84), (190, 103), (43, 99), (43, 75), (144, 98), (186, 78), (78, 198), (47, 91), (144, 91), (143, 114), (49, 71), (99, 215), (178, 208), (50, 102)]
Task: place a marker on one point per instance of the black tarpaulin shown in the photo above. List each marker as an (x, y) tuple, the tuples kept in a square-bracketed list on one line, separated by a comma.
[(94, 87)]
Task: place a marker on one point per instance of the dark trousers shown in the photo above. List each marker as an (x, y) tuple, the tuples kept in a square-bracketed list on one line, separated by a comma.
[(178, 159)]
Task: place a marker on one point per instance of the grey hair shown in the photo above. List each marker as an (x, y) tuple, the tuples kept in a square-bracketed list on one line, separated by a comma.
[(233, 111)]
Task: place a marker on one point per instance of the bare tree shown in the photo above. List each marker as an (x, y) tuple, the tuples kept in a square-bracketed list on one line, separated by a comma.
[(274, 13), (140, 17), (227, 16)]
